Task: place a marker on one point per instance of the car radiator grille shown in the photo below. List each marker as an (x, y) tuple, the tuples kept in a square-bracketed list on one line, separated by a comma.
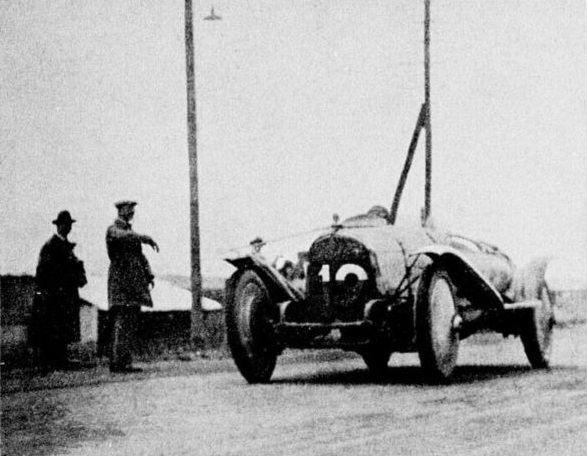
[(340, 280)]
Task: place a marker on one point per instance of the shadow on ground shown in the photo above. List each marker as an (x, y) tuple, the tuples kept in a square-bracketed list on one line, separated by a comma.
[(414, 376)]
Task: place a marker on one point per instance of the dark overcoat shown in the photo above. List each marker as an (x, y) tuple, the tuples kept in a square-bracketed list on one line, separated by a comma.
[(55, 315), (129, 275)]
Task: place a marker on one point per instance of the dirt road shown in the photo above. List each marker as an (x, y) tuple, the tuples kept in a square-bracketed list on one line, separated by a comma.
[(496, 405)]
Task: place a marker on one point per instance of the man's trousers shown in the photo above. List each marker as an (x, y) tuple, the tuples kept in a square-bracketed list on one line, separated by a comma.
[(124, 322)]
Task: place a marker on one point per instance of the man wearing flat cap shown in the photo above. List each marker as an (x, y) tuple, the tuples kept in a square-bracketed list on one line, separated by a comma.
[(129, 282), (256, 245), (55, 316)]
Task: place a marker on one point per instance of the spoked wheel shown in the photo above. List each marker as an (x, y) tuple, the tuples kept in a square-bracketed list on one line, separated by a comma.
[(376, 359), (536, 331), (250, 330), (437, 324)]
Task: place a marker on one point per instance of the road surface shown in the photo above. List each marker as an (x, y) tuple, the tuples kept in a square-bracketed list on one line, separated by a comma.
[(495, 406)]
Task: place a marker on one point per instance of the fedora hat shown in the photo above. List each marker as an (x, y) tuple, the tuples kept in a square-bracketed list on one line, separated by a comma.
[(62, 218)]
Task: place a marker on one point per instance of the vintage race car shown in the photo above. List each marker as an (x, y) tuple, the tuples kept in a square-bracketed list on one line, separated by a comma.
[(376, 288)]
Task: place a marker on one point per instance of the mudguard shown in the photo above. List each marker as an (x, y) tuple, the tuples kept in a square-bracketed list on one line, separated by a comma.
[(471, 279), (279, 288)]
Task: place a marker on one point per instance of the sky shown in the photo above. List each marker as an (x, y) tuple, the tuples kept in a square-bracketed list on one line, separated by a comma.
[(304, 109)]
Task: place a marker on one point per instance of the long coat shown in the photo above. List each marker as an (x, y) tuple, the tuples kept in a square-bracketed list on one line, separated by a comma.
[(56, 306), (129, 275)]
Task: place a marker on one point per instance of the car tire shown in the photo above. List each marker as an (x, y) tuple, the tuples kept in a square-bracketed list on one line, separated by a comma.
[(436, 334), (376, 359), (536, 331), (249, 327)]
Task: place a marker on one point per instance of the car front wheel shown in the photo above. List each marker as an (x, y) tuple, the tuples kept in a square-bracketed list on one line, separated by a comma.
[(250, 328), (436, 324)]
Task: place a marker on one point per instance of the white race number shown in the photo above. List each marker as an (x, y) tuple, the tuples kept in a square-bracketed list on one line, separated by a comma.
[(342, 273)]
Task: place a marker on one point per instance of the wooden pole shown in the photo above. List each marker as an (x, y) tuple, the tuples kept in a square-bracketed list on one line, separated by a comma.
[(428, 123), (407, 165), (198, 330)]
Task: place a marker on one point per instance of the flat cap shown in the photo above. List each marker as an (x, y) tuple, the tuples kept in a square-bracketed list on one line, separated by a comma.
[(124, 203)]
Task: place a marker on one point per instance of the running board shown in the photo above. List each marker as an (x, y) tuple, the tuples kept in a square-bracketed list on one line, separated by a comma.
[(533, 304)]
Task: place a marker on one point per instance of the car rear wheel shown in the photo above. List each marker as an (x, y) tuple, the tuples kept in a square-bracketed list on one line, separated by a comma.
[(376, 359), (536, 331), (437, 324), (249, 326)]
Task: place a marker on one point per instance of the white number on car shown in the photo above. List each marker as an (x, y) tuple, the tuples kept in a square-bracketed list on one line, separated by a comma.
[(343, 272)]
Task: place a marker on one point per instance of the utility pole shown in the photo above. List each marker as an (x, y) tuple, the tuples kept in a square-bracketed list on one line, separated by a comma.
[(198, 330), (424, 121), (427, 120)]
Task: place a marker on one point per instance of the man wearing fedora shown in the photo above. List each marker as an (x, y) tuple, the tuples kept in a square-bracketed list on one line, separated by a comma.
[(55, 317), (129, 282)]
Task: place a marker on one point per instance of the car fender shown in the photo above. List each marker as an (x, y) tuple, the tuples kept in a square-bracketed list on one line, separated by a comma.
[(470, 281), (279, 288), (531, 279)]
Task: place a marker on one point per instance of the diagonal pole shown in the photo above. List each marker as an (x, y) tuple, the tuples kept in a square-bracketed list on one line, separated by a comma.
[(407, 165)]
